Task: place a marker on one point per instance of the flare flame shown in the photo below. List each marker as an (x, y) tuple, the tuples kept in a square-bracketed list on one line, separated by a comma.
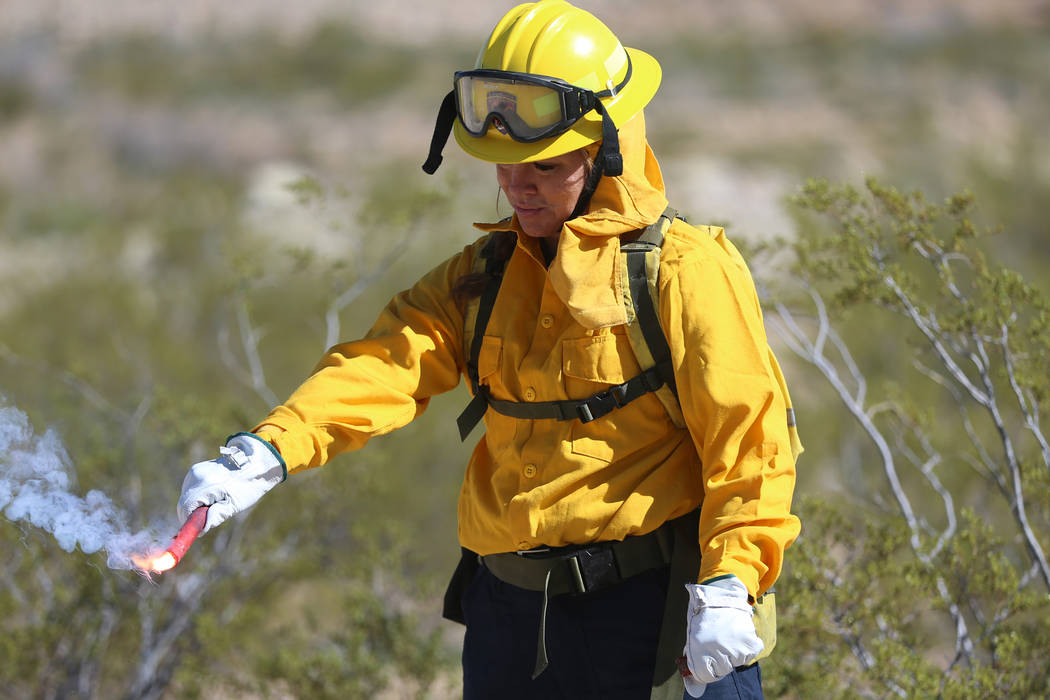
[(166, 560)]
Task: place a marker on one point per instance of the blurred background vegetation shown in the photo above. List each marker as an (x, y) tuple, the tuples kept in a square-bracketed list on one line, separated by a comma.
[(195, 198)]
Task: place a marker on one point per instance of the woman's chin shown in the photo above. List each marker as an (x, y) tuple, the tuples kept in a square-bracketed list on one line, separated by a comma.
[(537, 227)]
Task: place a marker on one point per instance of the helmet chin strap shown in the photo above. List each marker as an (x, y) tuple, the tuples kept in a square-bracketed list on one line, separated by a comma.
[(609, 157)]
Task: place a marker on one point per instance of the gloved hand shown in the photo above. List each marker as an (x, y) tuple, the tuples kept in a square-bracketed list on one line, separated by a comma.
[(247, 467), (720, 632)]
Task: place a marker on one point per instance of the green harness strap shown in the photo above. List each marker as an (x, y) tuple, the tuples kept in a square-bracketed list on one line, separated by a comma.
[(494, 265), (653, 377), (640, 277)]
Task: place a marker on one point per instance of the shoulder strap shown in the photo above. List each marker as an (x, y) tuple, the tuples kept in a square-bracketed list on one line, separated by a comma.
[(646, 335), (493, 265), (641, 282)]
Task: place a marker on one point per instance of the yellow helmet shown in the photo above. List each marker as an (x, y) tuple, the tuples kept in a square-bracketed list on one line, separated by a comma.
[(551, 79)]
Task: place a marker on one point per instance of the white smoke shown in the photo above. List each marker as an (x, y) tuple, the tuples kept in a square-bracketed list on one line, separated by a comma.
[(36, 486)]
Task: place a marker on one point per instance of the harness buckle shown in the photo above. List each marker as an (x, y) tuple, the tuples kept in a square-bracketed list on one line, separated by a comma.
[(602, 403), (596, 406)]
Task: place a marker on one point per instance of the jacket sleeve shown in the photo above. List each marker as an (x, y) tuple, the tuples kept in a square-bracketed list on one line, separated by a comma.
[(381, 382), (736, 413)]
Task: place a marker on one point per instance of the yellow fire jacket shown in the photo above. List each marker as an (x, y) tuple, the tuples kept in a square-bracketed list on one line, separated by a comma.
[(555, 334)]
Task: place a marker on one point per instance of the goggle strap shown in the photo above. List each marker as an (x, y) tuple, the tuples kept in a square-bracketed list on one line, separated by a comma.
[(609, 151), (446, 118)]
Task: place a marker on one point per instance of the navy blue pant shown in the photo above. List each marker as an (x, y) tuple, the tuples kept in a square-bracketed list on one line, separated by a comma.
[(601, 645)]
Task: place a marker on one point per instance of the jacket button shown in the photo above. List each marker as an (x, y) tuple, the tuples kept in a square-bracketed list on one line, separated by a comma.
[(547, 321), (529, 471), (530, 394)]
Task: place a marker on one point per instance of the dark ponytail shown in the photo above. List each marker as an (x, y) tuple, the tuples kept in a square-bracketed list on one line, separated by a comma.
[(595, 169), (470, 286)]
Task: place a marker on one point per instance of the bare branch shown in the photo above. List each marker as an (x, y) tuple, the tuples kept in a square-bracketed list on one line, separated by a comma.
[(988, 467), (250, 345), (332, 323), (929, 328), (984, 396), (1029, 407), (854, 404), (88, 392), (1017, 500)]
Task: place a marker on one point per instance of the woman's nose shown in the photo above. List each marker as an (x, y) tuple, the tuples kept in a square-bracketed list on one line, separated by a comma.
[(519, 176)]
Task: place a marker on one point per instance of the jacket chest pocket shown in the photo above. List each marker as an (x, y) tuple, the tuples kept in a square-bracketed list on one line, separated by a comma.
[(490, 359), (596, 362), (590, 365)]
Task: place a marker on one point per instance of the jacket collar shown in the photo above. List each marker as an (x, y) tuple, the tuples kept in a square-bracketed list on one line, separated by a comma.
[(586, 271)]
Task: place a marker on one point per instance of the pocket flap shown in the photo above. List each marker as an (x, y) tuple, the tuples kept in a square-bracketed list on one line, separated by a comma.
[(594, 358), (490, 357)]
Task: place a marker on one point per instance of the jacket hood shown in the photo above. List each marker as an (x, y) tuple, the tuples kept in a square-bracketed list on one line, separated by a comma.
[(586, 271), (629, 201)]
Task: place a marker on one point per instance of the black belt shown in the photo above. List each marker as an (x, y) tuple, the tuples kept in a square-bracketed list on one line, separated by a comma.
[(582, 568), (579, 569)]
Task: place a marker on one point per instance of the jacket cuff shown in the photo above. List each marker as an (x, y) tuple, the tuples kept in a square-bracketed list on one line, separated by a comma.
[(269, 446), (296, 447), (747, 576)]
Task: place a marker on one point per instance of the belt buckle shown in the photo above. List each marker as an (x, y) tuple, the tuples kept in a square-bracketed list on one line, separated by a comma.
[(537, 553), (593, 568)]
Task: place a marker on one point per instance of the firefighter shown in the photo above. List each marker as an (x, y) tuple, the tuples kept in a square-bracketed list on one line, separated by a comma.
[(619, 513)]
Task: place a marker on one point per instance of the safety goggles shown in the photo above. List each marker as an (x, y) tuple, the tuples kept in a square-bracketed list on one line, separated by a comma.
[(525, 107)]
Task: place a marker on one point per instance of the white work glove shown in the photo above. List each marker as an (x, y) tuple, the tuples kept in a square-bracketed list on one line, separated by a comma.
[(721, 634), (247, 467)]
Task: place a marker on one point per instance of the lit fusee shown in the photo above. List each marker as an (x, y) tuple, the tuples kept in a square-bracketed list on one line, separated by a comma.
[(180, 544)]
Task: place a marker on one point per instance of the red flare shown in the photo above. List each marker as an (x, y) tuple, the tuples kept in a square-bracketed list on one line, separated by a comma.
[(180, 544)]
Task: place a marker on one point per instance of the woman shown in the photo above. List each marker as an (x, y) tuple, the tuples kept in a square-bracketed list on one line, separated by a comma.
[(597, 504)]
